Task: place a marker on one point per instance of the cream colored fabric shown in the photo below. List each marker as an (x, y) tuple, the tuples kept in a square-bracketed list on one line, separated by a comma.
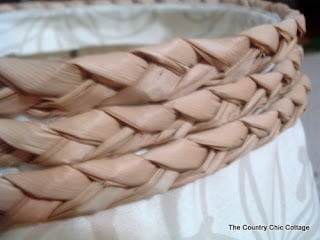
[(48, 30), (273, 185)]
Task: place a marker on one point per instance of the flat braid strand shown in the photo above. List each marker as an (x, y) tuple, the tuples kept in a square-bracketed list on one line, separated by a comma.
[(116, 130)]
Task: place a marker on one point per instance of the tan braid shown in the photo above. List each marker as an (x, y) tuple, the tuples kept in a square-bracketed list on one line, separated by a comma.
[(125, 128)]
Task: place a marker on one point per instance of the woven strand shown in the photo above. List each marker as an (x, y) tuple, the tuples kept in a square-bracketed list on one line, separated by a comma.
[(66, 191), (197, 104), (121, 129)]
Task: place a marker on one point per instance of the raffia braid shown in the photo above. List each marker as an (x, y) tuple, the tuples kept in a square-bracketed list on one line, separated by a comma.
[(189, 107), (120, 129)]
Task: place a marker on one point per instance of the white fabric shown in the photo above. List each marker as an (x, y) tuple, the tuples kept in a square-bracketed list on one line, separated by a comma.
[(29, 31), (272, 185)]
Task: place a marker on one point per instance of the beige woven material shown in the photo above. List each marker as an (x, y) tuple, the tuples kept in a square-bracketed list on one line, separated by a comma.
[(190, 106)]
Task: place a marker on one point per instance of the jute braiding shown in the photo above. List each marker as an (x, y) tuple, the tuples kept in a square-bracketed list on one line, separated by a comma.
[(196, 104)]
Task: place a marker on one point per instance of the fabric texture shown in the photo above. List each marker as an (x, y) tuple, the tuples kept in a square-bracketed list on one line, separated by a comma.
[(28, 31), (311, 118)]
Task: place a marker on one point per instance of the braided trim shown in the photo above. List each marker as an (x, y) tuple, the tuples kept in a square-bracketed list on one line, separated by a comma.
[(203, 90), (41, 89), (107, 182), (118, 129)]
